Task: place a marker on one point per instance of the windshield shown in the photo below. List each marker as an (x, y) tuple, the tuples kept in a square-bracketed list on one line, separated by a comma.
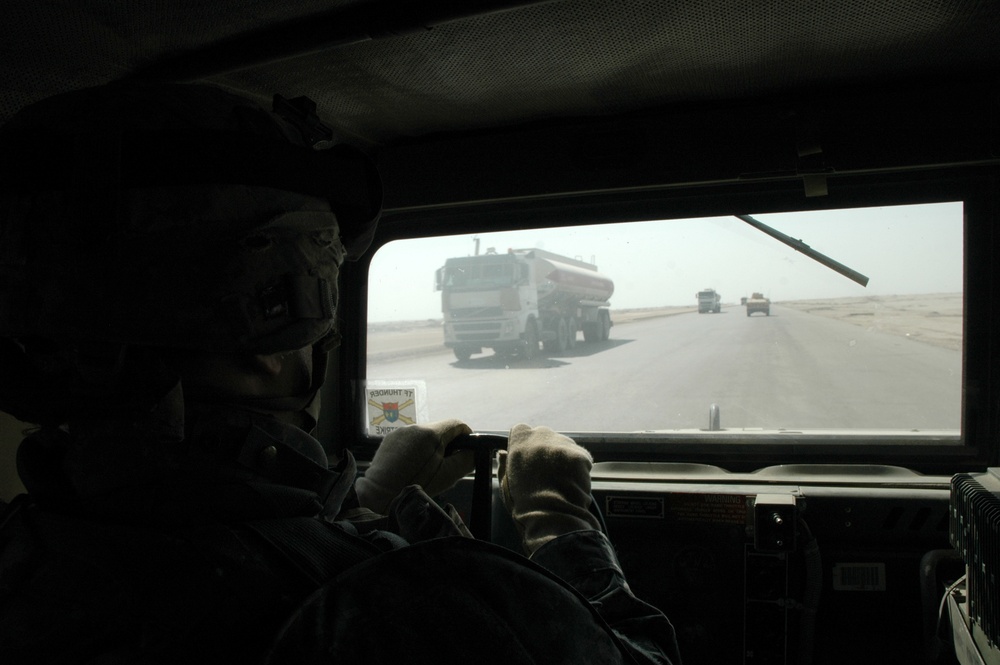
[(487, 271), (610, 330)]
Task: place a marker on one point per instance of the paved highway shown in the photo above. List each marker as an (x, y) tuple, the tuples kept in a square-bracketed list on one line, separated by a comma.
[(789, 370)]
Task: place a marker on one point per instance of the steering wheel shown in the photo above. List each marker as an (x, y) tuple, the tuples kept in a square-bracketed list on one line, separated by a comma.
[(484, 446)]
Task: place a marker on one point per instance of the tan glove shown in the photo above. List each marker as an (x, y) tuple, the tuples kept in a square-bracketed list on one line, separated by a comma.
[(414, 455), (545, 485)]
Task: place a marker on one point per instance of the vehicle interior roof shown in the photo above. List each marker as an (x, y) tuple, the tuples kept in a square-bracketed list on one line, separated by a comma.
[(500, 99)]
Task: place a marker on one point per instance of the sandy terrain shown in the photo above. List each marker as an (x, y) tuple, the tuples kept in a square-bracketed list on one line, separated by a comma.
[(932, 318)]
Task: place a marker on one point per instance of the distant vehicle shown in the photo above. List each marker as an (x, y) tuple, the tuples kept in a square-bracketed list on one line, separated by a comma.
[(758, 303), (709, 300), (511, 302)]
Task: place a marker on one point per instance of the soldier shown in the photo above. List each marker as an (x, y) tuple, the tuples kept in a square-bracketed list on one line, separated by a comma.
[(169, 258)]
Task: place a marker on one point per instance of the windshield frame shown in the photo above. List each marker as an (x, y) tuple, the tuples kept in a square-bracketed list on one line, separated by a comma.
[(978, 446)]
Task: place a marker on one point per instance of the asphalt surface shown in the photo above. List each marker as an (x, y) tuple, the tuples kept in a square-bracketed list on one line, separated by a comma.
[(791, 370)]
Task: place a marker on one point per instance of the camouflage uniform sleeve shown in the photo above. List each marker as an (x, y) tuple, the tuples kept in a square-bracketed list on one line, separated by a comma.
[(587, 561)]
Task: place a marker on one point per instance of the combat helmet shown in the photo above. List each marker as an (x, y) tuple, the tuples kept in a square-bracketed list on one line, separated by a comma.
[(138, 217)]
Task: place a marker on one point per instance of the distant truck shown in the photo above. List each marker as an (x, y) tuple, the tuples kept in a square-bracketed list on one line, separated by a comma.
[(709, 301), (758, 303), (511, 302)]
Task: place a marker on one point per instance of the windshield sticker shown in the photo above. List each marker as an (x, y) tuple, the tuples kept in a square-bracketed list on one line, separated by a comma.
[(391, 405)]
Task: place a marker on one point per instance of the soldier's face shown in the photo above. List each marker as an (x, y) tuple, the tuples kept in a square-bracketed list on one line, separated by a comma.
[(235, 375)]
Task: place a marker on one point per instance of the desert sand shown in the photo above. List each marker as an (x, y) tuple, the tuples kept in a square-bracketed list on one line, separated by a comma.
[(931, 318)]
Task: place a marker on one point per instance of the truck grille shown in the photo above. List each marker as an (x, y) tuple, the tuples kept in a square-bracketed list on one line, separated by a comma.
[(479, 325), (476, 337), (481, 331), (476, 312)]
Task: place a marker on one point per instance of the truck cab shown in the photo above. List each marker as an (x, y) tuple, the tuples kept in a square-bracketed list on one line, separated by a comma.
[(709, 301), (489, 300)]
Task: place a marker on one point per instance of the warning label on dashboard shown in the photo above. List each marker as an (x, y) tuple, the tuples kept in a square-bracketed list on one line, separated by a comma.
[(634, 506), (694, 507)]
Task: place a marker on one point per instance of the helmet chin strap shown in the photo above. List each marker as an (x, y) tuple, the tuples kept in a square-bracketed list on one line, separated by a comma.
[(302, 409), (299, 410), (297, 452)]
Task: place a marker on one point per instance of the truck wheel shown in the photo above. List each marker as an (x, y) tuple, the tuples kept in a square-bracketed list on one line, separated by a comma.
[(605, 326), (558, 343), (571, 333), (591, 333), (551, 345), (748, 312), (531, 341), (562, 336), (462, 354)]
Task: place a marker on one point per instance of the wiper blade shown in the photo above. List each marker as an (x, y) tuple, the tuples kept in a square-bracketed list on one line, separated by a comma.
[(800, 246)]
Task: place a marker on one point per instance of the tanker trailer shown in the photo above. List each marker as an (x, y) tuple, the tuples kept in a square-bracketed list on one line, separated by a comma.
[(511, 302)]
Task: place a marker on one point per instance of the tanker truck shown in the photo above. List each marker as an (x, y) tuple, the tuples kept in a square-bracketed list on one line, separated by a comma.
[(512, 302)]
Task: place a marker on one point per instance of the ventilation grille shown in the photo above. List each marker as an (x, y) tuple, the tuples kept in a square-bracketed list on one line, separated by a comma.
[(974, 530)]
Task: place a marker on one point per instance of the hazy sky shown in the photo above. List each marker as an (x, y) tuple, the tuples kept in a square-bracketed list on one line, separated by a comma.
[(903, 249)]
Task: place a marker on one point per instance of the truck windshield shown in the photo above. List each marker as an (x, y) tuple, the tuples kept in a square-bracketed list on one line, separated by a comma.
[(618, 338), (493, 272)]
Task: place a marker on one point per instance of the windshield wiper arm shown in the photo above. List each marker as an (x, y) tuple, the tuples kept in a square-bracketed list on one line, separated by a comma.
[(800, 246)]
